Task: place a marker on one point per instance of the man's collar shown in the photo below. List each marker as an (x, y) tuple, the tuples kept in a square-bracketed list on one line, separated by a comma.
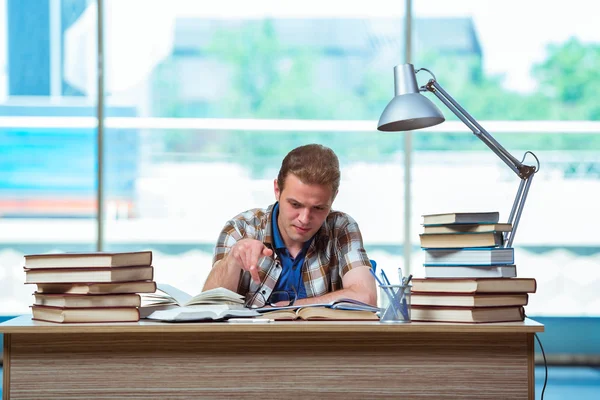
[(277, 239)]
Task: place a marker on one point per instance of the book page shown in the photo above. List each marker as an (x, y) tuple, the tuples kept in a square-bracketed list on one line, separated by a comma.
[(218, 295), (180, 297)]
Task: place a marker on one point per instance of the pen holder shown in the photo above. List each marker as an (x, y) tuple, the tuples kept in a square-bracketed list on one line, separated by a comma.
[(395, 303)]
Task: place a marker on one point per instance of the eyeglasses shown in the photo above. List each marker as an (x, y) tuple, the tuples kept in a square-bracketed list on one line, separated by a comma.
[(280, 298)]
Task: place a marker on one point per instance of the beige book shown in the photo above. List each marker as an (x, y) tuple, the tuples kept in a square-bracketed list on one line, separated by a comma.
[(73, 315), (98, 288), (92, 260), (73, 275), (87, 301)]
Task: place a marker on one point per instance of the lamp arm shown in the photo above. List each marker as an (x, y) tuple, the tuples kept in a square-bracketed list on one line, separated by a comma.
[(525, 172)]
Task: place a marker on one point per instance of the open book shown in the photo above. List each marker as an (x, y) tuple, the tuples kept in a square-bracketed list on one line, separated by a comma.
[(341, 304), (309, 313), (202, 312), (171, 304), (343, 309), (166, 295)]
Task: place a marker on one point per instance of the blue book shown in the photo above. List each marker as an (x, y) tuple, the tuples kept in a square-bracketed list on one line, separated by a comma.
[(470, 256)]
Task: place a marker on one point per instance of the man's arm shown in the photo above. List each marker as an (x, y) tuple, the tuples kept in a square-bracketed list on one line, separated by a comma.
[(243, 256), (359, 285), (221, 275)]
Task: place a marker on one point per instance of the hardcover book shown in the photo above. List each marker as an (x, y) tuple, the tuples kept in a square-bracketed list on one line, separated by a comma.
[(88, 274), (462, 271), (475, 285), (470, 256), (462, 218), (93, 260), (85, 315), (469, 300), (98, 288), (454, 240), (467, 228), (467, 315), (87, 301)]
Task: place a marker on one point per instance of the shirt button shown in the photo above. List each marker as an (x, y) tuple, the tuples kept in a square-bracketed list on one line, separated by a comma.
[(263, 291)]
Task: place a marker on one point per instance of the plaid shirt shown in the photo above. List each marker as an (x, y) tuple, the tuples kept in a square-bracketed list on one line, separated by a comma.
[(336, 249)]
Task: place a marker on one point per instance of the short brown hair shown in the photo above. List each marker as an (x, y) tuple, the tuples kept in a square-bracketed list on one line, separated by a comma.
[(313, 164)]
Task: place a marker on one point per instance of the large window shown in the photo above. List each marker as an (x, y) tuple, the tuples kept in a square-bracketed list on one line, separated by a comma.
[(202, 101), (47, 141)]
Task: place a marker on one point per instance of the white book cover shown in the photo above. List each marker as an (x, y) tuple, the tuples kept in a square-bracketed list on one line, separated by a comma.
[(502, 271)]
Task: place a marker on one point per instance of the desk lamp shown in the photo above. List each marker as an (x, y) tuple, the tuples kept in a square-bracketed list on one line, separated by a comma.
[(410, 110)]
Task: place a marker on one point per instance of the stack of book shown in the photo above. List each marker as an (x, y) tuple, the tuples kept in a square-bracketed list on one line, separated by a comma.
[(469, 275), (89, 287), (466, 245)]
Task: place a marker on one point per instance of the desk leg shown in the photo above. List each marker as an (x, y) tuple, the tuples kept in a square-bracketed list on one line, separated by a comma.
[(531, 365), (6, 368)]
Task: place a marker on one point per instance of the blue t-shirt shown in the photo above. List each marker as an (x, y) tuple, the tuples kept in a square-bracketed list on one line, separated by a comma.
[(291, 274)]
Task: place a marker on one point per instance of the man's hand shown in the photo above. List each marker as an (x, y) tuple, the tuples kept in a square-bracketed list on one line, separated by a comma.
[(245, 254)]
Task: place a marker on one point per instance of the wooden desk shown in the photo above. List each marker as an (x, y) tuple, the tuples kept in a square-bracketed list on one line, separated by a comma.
[(274, 360)]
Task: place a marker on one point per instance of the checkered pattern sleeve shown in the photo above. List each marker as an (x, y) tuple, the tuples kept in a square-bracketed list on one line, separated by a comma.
[(244, 225), (351, 251)]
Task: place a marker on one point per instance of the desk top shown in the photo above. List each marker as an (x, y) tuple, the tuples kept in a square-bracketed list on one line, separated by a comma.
[(24, 324)]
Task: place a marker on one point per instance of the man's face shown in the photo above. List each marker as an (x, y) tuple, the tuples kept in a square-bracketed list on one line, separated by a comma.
[(302, 210)]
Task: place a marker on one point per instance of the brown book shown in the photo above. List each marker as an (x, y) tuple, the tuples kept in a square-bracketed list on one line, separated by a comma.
[(72, 315), (98, 288), (320, 313), (467, 228), (454, 240), (467, 315), (475, 285), (73, 275), (469, 300), (87, 301), (462, 218), (92, 260)]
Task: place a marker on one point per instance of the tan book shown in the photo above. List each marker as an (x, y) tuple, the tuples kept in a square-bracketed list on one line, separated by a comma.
[(73, 275), (467, 315), (469, 300), (475, 285), (462, 218), (73, 315), (98, 288), (454, 240), (320, 313), (467, 228), (92, 260), (87, 301)]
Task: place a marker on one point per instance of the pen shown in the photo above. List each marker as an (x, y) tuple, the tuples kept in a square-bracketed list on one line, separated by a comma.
[(376, 278), (384, 277), (250, 320)]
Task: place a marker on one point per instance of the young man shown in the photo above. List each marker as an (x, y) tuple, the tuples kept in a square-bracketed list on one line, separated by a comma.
[(298, 245)]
